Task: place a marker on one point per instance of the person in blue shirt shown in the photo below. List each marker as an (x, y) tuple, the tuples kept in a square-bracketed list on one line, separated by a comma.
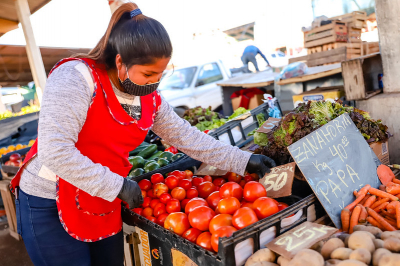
[(249, 55)]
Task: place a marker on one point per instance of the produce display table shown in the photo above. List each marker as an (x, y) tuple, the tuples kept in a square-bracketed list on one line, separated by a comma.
[(9, 126), (251, 80)]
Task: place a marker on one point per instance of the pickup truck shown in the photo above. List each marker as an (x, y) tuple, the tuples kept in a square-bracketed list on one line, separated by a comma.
[(192, 86)]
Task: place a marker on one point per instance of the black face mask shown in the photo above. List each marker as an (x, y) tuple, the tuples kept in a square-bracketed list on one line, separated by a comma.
[(135, 89)]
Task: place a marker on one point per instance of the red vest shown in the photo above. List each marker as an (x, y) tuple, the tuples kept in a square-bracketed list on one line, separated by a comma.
[(107, 137)]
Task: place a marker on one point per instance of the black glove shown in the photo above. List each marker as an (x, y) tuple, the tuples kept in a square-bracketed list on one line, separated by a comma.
[(260, 164), (131, 193)]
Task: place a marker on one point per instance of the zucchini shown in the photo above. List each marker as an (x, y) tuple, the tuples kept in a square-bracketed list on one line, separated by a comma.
[(162, 162), (148, 151), (139, 148), (151, 167), (177, 156), (167, 156), (135, 172), (136, 161), (156, 155), (149, 162)]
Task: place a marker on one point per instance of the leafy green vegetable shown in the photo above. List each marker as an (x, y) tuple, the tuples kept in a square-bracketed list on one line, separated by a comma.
[(261, 139), (322, 111), (238, 112)]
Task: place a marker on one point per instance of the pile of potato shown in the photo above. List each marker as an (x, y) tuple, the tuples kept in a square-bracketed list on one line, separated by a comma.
[(367, 245)]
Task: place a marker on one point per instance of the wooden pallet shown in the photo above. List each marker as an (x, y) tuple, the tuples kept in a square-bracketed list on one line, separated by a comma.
[(333, 32), (315, 49), (355, 20), (354, 50)]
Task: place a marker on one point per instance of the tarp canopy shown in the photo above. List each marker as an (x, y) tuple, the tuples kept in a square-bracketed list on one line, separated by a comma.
[(14, 64)]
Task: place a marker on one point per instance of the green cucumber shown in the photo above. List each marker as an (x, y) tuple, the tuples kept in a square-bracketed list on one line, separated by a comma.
[(136, 161), (136, 172), (151, 167), (156, 155), (162, 162), (149, 162), (166, 155), (148, 151), (139, 148), (177, 156)]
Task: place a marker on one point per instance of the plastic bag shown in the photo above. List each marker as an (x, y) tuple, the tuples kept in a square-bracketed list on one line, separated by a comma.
[(294, 70)]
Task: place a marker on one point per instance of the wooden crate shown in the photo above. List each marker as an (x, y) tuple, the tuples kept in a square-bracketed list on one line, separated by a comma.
[(314, 50), (355, 20), (360, 76), (354, 35), (354, 50), (323, 58), (370, 48), (9, 205), (334, 32)]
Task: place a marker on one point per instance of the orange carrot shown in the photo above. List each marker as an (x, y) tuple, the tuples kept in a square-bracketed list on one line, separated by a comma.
[(385, 174), (381, 220), (392, 211), (365, 199), (345, 216), (391, 222), (395, 180), (398, 195), (370, 201), (355, 216), (373, 222), (383, 194), (380, 207), (394, 190), (398, 215), (392, 184), (351, 206), (386, 213), (355, 193), (379, 202), (392, 205), (364, 190), (363, 215)]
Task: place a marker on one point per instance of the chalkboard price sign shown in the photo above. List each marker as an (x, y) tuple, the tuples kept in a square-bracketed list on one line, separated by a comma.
[(336, 160)]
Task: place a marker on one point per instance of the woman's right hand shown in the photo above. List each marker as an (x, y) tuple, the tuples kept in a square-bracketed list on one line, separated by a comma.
[(131, 193)]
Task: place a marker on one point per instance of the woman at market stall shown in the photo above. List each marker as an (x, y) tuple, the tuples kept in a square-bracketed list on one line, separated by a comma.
[(96, 108)]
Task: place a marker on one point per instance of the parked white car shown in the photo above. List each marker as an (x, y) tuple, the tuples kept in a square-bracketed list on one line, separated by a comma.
[(193, 86)]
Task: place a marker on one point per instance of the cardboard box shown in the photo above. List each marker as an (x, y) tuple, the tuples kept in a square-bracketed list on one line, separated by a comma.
[(255, 101), (381, 150), (319, 94)]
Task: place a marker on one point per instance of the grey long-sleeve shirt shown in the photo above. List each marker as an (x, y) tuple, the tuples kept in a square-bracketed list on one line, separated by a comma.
[(63, 112)]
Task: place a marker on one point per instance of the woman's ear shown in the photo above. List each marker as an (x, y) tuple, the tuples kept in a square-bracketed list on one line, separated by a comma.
[(120, 69)]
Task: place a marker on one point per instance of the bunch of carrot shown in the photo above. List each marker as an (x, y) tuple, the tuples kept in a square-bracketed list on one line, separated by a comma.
[(379, 207)]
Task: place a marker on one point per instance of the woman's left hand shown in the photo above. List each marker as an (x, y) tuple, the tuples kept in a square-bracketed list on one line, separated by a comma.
[(260, 164)]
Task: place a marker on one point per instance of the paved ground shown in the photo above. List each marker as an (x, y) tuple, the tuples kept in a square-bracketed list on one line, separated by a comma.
[(12, 251)]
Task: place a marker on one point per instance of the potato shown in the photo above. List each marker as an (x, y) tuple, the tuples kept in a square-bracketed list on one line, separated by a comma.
[(318, 246), (307, 257), (343, 237), (341, 253), (371, 229), (283, 261), (361, 239), (261, 255), (390, 260), (330, 246), (332, 262), (388, 234), (346, 241), (378, 255), (351, 263), (264, 263), (378, 243), (392, 244), (361, 254)]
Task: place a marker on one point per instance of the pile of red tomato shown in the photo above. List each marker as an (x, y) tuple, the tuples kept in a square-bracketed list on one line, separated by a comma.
[(201, 209)]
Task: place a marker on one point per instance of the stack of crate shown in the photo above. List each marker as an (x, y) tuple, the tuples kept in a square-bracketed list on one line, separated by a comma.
[(355, 23)]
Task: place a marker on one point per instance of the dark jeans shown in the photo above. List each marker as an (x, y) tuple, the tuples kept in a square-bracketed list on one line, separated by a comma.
[(49, 244), (246, 58)]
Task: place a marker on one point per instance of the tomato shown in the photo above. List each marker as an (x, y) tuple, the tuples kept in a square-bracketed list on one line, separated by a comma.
[(144, 194), (217, 211), (159, 189), (165, 197), (282, 206), (144, 184), (146, 202), (213, 200), (225, 231), (184, 203), (247, 178), (172, 149), (204, 240), (178, 193), (15, 157), (150, 193), (151, 218), (246, 204), (173, 205), (154, 202), (207, 178), (157, 178), (177, 222), (244, 217), (217, 188), (138, 210), (219, 181), (147, 212), (228, 205), (197, 181), (231, 189), (242, 183), (232, 177), (200, 217), (159, 209), (194, 203), (191, 234), (161, 219), (265, 207), (205, 189), (192, 193), (220, 220), (253, 190), (185, 184), (189, 174), (178, 174), (171, 182)]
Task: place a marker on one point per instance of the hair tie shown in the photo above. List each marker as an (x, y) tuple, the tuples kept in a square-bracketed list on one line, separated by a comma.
[(135, 12)]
